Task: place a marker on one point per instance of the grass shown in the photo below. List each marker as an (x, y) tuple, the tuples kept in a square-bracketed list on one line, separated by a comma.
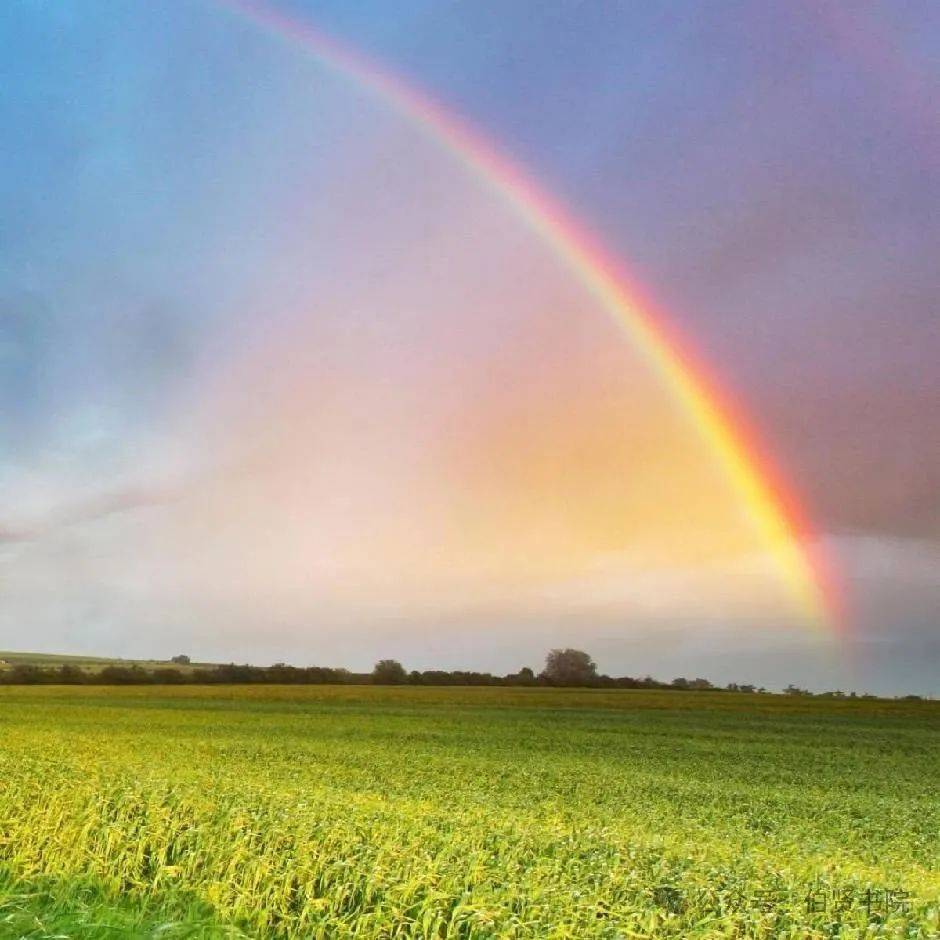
[(44, 909), (89, 664), (418, 812)]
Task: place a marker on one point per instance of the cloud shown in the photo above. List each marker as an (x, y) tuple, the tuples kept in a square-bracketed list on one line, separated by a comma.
[(96, 507)]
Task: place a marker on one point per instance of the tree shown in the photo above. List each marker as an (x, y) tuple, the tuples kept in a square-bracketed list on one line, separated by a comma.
[(181, 660), (570, 667), (389, 672), (525, 676), (700, 685), (69, 674)]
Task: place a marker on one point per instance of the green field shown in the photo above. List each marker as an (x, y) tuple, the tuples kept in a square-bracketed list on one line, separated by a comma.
[(376, 812), (90, 664)]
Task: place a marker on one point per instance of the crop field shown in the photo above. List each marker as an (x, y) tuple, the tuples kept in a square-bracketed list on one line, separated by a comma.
[(89, 664), (333, 812)]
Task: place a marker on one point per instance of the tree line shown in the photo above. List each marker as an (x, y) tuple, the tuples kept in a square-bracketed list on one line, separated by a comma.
[(567, 667), (563, 668), (231, 673)]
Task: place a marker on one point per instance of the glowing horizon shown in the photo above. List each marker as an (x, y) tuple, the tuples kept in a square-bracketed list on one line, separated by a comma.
[(772, 508)]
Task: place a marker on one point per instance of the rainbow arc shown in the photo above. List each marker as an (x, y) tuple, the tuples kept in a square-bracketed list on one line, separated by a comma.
[(772, 507)]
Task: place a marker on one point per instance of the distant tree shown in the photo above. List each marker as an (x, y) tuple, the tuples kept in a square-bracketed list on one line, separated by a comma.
[(69, 674), (389, 672), (680, 683), (168, 676), (525, 676), (28, 674), (181, 660), (570, 667), (700, 685), (124, 675), (792, 689)]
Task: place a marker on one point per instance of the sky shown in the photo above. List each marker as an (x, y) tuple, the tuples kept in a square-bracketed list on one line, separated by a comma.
[(281, 379)]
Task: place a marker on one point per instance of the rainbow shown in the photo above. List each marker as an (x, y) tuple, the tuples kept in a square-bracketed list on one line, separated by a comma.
[(772, 506)]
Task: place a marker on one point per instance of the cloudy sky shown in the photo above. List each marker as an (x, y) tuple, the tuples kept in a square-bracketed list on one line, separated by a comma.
[(281, 379)]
